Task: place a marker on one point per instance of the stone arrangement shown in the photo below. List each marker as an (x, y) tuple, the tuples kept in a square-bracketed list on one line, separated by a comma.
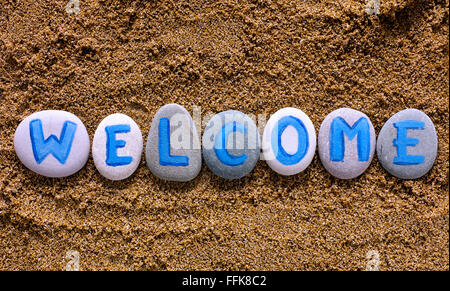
[(56, 144)]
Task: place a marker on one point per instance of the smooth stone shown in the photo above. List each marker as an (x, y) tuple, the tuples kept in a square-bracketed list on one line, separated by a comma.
[(232, 154), (346, 162), (400, 161), (180, 157), (124, 138), (51, 154), (298, 141)]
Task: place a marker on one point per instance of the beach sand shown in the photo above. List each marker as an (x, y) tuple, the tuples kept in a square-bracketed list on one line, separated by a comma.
[(133, 57)]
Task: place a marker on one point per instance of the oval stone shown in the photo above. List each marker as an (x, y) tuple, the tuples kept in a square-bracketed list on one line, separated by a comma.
[(117, 147), (289, 141), (407, 144), (52, 143), (230, 144), (346, 143), (173, 150)]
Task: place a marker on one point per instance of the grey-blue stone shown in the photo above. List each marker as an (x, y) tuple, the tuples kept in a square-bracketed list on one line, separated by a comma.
[(411, 155), (353, 163), (238, 145), (184, 141)]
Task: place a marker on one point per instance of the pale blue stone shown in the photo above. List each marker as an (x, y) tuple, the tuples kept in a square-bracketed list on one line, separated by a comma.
[(242, 147)]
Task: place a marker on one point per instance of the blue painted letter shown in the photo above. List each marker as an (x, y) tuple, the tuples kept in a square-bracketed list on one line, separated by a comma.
[(112, 144), (165, 158), (302, 144), (59, 148), (339, 127), (220, 146), (403, 141)]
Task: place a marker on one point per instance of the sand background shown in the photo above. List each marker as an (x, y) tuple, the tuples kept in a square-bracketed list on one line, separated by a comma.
[(133, 57)]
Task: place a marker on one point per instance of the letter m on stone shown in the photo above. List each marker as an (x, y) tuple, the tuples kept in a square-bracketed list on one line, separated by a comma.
[(339, 128)]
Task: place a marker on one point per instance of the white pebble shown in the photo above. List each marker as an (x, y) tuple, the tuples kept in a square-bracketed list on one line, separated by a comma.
[(117, 147), (52, 143), (289, 141)]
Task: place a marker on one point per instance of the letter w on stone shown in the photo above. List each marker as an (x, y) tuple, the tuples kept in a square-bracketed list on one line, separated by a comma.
[(59, 148)]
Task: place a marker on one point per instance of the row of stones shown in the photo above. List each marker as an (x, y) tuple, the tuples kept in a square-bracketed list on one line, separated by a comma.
[(231, 144)]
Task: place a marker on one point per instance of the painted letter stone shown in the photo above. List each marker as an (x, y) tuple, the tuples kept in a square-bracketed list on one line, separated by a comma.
[(289, 141), (117, 147), (52, 143), (231, 144), (346, 143), (173, 150), (407, 144)]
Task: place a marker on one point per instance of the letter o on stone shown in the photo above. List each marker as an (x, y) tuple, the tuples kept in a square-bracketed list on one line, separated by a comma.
[(289, 141)]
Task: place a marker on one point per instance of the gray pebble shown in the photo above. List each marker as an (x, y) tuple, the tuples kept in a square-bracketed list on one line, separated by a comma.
[(174, 153), (230, 144), (407, 144), (346, 143)]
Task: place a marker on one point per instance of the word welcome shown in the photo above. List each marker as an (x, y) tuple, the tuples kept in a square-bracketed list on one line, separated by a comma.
[(56, 144)]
